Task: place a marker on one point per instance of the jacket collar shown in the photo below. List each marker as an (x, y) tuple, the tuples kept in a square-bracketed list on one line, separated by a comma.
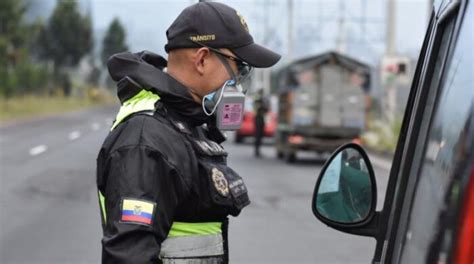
[(146, 69)]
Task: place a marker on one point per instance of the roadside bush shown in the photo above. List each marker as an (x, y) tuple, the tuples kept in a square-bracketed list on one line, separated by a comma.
[(382, 136), (23, 78), (98, 95)]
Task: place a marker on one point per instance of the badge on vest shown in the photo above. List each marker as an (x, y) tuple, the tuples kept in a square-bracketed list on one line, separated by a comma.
[(220, 182)]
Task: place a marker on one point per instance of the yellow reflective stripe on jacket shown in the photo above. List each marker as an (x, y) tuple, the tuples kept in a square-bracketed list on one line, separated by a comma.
[(144, 100), (102, 206), (193, 229)]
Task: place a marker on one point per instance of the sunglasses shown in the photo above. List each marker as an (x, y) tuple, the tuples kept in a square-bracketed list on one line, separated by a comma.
[(244, 69)]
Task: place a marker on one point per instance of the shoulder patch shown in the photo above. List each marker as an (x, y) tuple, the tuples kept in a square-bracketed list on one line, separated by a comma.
[(137, 211)]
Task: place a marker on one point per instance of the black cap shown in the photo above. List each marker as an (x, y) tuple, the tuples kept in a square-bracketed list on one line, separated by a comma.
[(218, 26)]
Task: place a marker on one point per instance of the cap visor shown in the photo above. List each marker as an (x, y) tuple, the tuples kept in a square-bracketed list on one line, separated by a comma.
[(257, 56)]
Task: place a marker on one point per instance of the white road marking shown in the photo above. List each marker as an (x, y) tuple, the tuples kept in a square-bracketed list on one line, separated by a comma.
[(38, 150), (95, 126), (74, 135)]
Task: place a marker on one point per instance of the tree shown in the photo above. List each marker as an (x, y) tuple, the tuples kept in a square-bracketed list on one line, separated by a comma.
[(114, 40), (66, 38), (18, 73), (11, 15), (12, 30)]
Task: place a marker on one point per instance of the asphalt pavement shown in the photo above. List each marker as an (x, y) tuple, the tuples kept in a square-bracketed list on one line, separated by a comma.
[(49, 211)]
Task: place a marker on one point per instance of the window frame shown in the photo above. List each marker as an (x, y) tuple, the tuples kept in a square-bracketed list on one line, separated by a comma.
[(427, 114), (386, 214), (409, 134)]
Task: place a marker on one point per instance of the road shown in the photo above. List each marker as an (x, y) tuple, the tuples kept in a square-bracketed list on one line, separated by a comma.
[(49, 211)]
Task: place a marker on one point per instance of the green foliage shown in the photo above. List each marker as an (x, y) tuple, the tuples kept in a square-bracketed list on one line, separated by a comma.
[(65, 40), (18, 74), (12, 30), (114, 40), (383, 136), (24, 78), (67, 36)]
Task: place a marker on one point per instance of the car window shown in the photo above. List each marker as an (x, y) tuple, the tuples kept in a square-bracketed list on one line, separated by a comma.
[(439, 147)]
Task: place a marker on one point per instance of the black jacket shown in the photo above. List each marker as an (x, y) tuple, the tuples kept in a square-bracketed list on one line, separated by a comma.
[(159, 158)]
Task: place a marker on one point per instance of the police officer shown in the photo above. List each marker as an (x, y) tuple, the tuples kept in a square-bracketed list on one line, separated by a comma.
[(164, 186)]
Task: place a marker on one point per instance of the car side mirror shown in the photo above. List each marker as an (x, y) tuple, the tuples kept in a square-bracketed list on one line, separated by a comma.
[(345, 194)]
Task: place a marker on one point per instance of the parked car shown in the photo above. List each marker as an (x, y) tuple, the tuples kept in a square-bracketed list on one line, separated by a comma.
[(428, 212), (248, 124)]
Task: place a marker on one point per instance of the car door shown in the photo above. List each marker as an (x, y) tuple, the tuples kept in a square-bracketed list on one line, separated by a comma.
[(432, 150)]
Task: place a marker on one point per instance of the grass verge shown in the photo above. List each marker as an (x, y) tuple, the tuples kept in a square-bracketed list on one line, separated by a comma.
[(36, 106)]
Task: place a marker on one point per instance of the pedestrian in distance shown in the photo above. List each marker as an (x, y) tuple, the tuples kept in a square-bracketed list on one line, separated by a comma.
[(165, 189), (261, 109)]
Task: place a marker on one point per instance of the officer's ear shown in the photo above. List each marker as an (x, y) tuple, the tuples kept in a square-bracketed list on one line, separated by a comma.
[(201, 59)]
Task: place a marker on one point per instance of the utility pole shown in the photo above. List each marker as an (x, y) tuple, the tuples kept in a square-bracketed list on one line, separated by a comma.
[(341, 22), (390, 52), (266, 38), (289, 37), (390, 48), (364, 17)]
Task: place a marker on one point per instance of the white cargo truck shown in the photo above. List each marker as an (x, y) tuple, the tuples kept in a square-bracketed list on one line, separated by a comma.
[(322, 104)]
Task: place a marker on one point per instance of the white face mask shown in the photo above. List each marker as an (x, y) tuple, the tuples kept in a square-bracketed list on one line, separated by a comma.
[(210, 101), (228, 104)]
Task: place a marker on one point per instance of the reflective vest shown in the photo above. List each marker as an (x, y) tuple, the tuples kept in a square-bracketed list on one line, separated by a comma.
[(185, 240)]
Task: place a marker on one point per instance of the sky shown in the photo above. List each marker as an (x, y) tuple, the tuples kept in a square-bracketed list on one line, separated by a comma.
[(316, 24)]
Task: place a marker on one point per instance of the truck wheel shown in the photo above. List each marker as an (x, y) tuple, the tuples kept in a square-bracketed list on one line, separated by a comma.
[(290, 157)]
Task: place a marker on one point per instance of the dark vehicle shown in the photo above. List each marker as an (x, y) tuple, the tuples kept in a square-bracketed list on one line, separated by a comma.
[(322, 104), (428, 212)]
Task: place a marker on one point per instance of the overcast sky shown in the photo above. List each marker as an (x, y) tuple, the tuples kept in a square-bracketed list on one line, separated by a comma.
[(316, 23), (315, 27)]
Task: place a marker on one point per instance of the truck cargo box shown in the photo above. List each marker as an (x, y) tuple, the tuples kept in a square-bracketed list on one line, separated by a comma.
[(322, 102)]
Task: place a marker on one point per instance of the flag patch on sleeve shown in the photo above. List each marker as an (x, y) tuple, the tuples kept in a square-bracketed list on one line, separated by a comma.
[(137, 211)]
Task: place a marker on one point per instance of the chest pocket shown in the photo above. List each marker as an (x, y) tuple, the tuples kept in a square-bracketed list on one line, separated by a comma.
[(221, 190), (225, 188)]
